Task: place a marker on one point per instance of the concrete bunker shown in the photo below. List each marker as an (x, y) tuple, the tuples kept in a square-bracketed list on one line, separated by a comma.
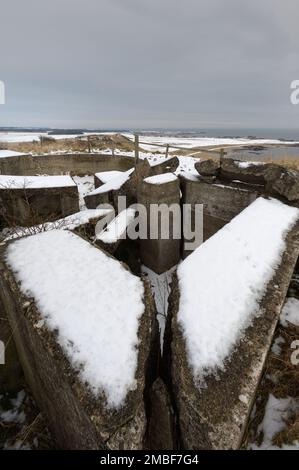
[(162, 401)]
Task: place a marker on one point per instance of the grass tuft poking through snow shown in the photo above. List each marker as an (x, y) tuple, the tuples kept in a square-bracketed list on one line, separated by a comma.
[(222, 282), (93, 302)]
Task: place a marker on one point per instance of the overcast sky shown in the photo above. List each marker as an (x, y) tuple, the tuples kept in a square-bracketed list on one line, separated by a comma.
[(149, 63)]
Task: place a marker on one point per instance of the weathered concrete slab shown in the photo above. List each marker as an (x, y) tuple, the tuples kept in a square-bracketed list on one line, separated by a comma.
[(92, 201), (77, 417), (168, 165), (116, 231), (27, 203), (214, 414), (115, 185), (221, 203), (275, 180), (209, 167), (251, 173), (161, 430), (76, 163), (11, 376), (159, 254), (284, 183)]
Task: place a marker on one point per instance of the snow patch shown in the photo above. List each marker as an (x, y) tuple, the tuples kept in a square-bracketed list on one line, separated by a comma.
[(113, 184), (278, 411), (160, 179), (290, 312)]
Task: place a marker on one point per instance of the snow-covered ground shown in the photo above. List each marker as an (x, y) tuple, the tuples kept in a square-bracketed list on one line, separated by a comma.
[(93, 302), (195, 142), (251, 245), (290, 312), (277, 413), (18, 137)]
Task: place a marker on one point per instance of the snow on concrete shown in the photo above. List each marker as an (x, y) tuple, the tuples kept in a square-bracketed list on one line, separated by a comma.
[(249, 164), (277, 413), (158, 161), (222, 282), (106, 176), (35, 182), (161, 179), (71, 222), (116, 230), (93, 302), (113, 184), (10, 153), (290, 312), (85, 185), (187, 166)]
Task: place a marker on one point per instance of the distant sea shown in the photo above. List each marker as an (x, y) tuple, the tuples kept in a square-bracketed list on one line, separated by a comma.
[(254, 152), (279, 134)]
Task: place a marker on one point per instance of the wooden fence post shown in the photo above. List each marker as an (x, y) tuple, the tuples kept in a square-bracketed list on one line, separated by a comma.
[(136, 148), (167, 149)]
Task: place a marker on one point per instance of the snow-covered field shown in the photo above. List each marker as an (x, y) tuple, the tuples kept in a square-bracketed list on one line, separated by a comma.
[(151, 142), (18, 137)]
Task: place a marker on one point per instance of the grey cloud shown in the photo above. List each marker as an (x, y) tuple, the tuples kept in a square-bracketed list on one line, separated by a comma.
[(143, 63)]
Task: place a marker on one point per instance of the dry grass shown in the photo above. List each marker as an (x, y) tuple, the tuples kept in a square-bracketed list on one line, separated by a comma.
[(281, 379), (287, 162), (95, 143)]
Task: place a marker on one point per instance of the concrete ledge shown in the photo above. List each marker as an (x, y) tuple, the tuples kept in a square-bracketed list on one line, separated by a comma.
[(215, 417), (221, 203), (159, 254), (11, 376), (76, 418), (30, 206)]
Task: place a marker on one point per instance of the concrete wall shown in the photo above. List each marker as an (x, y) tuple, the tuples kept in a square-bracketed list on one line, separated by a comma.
[(76, 418), (221, 203), (215, 416), (77, 164), (27, 207), (158, 254), (11, 377)]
